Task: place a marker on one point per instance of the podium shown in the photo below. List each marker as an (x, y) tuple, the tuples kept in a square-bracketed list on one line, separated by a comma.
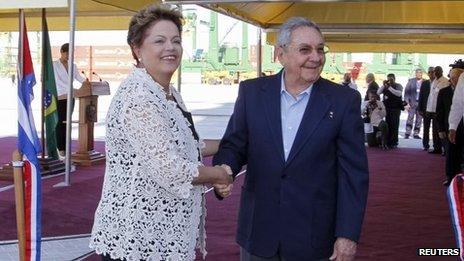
[(88, 104)]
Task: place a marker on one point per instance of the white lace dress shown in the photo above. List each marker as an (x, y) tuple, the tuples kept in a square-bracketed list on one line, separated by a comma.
[(149, 210)]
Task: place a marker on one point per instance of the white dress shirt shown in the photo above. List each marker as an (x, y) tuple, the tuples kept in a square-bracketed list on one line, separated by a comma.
[(457, 107), (292, 111), (418, 86), (61, 77), (377, 115), (435, 87)]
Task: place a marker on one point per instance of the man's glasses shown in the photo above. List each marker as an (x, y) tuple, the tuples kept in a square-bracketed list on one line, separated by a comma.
[(308, 49)]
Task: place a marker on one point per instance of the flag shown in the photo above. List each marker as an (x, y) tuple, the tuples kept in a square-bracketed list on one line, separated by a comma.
[(49, 86), (456, 205), (29, 147)]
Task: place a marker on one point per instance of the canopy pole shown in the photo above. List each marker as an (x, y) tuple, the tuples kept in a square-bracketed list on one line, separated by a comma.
[(259, 59), (69, 105), (179, 70)]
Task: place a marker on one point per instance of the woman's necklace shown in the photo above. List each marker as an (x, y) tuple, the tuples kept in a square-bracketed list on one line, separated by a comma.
[(168, 93)]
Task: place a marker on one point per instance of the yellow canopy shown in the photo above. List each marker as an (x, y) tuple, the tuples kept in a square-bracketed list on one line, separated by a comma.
[(90, 15), (361, 26)]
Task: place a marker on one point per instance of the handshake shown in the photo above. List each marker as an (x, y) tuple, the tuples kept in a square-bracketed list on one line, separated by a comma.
[(223, 185)]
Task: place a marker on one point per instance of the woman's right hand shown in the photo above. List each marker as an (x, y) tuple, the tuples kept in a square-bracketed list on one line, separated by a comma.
[(224, 189), (223, 176)]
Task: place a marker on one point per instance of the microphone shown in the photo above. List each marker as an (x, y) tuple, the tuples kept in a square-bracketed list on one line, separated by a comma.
[(94, 73), (83, 72)]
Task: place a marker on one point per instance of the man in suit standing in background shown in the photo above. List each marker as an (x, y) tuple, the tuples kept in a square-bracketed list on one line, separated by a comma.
[(411, 96), (301, 137), (453, 150), (422, 107), (436, 85), (372, 86)]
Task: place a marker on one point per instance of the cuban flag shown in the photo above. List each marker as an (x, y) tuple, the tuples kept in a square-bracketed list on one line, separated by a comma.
[(29, 147), (456, 205)]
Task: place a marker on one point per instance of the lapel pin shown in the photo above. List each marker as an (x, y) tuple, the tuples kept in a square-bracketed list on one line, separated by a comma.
[(331, 114)]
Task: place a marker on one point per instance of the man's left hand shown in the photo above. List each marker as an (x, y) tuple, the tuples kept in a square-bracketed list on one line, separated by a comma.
[(344, 249), (224, 190)]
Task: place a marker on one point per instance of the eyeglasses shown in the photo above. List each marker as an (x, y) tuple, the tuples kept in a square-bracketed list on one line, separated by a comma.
[(308, 49)]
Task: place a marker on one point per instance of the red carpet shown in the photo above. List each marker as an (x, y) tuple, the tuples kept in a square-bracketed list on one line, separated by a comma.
[(407, 207)]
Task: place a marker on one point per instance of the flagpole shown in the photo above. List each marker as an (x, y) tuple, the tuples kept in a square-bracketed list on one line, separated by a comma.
[(21, 42), (70, 95), (17, 157), (42, 120)]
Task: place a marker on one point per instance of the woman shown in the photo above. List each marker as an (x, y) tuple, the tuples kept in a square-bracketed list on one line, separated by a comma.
[(60, 69), (374, 111), (152, 204)]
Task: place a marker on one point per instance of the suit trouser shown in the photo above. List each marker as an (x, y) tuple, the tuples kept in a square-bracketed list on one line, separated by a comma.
[(61, 126), (246, 256), (437, 146), (393, 122), (372, 138), (426, 131), (454, 157), (417, 122)]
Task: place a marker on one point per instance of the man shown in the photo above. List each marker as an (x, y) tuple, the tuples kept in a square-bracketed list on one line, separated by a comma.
[(392, 93), (347, 81), (60, 68), (457, 109), (453, 151), (302, 139), (422, 107), (437, 84), (411, 96), (371, 85)]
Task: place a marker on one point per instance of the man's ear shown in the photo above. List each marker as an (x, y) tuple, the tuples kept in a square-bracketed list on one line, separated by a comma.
[(279, 53)]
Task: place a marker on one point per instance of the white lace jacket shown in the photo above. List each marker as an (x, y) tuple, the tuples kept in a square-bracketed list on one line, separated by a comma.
[(149, 209)]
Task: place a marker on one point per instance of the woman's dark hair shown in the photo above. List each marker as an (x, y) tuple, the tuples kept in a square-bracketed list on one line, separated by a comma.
[(64, 48), (145, 18)]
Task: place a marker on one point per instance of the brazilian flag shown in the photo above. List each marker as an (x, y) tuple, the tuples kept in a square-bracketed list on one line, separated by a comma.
[(50, 97)]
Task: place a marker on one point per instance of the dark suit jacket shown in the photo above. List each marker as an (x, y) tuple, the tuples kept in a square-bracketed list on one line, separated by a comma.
[(444, 100), (317, 194), (424, 95), (410, 92)]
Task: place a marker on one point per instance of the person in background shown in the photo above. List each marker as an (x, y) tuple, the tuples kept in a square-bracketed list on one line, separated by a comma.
[(437, 84), (457, 106), (392, 93), (347, 82), (422, 107), (375, 111), (411, 96), (371, 85), (60, 69), (453, 151), (152, 205), (302, 140)]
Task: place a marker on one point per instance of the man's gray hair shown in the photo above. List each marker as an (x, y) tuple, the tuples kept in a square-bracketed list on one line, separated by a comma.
[(370, 76), (285, 31)]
